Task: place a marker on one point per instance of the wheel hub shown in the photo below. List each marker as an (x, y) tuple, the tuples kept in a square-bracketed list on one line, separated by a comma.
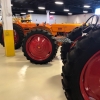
[(90, 78), (39, 47)]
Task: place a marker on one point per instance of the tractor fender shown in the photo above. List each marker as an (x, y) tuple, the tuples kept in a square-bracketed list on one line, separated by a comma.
[(47, 28), (18, 25)]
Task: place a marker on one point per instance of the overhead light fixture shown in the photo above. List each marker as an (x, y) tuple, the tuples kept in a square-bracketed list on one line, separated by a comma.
[(42, 8), (17, 14), (87, 6), (85, 11), (52, 12), (30, 11), (66, 10), (69, 13), (97, 11), (23, 13), (59, 2)]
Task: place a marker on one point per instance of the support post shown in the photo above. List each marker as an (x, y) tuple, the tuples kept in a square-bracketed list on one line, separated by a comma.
[(7, 27), (48, 16)]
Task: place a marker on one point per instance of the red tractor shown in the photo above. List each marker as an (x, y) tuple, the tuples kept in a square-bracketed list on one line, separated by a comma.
[(81, 70)]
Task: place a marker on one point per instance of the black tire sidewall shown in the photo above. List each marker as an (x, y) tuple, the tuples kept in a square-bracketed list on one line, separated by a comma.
[(77, 57), (46, 34), (19, 31), (1, 37), (66, 46)]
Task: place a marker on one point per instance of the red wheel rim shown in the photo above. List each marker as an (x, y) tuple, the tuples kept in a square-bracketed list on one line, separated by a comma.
[(90, 78), (16, 37), (39, 47)]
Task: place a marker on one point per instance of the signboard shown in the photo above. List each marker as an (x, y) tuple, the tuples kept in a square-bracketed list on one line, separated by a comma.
[(51, 17)]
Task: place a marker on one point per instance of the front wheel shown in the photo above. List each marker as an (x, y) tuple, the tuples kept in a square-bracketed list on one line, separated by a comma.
[(39, 46)]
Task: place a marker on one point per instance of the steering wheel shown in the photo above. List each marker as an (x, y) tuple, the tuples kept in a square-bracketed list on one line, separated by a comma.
[(91, 25)]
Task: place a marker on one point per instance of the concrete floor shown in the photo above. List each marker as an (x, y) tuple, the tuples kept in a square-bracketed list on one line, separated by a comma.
[(21, 80)]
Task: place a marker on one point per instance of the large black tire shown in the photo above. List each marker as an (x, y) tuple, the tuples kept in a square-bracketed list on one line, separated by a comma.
[(78, 56), (75, 34), (47, 35), (20, 33)]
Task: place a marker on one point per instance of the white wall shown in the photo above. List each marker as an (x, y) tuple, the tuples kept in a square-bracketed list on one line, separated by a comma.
[(79, 18), (0, 17), (60, 19), (39, 18)]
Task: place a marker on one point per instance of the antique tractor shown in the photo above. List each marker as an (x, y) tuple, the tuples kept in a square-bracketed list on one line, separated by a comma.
[(40, 44), (25, 26), (81, 70)]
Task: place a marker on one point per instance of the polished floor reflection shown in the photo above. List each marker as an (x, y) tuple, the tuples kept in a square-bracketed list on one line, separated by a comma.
[(21, 80)]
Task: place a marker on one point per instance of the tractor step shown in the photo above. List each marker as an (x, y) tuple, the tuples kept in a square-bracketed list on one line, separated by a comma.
[(62, 39)]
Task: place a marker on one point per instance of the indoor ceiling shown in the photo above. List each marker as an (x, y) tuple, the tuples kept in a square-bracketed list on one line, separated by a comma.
[(75, 6)]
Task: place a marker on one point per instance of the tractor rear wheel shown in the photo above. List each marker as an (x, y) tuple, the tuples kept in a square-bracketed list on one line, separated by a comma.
[(73, 36), (81, 73), (39, 46), (18, 35)]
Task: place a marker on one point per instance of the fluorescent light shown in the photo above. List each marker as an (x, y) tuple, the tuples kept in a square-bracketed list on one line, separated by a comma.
[(59, 3), (66, 10), (17, 14), (30, 11), (41, 8), (87, 6), (97, 11), (23, 13), (69, 13), (85, 11), (52, 12)]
